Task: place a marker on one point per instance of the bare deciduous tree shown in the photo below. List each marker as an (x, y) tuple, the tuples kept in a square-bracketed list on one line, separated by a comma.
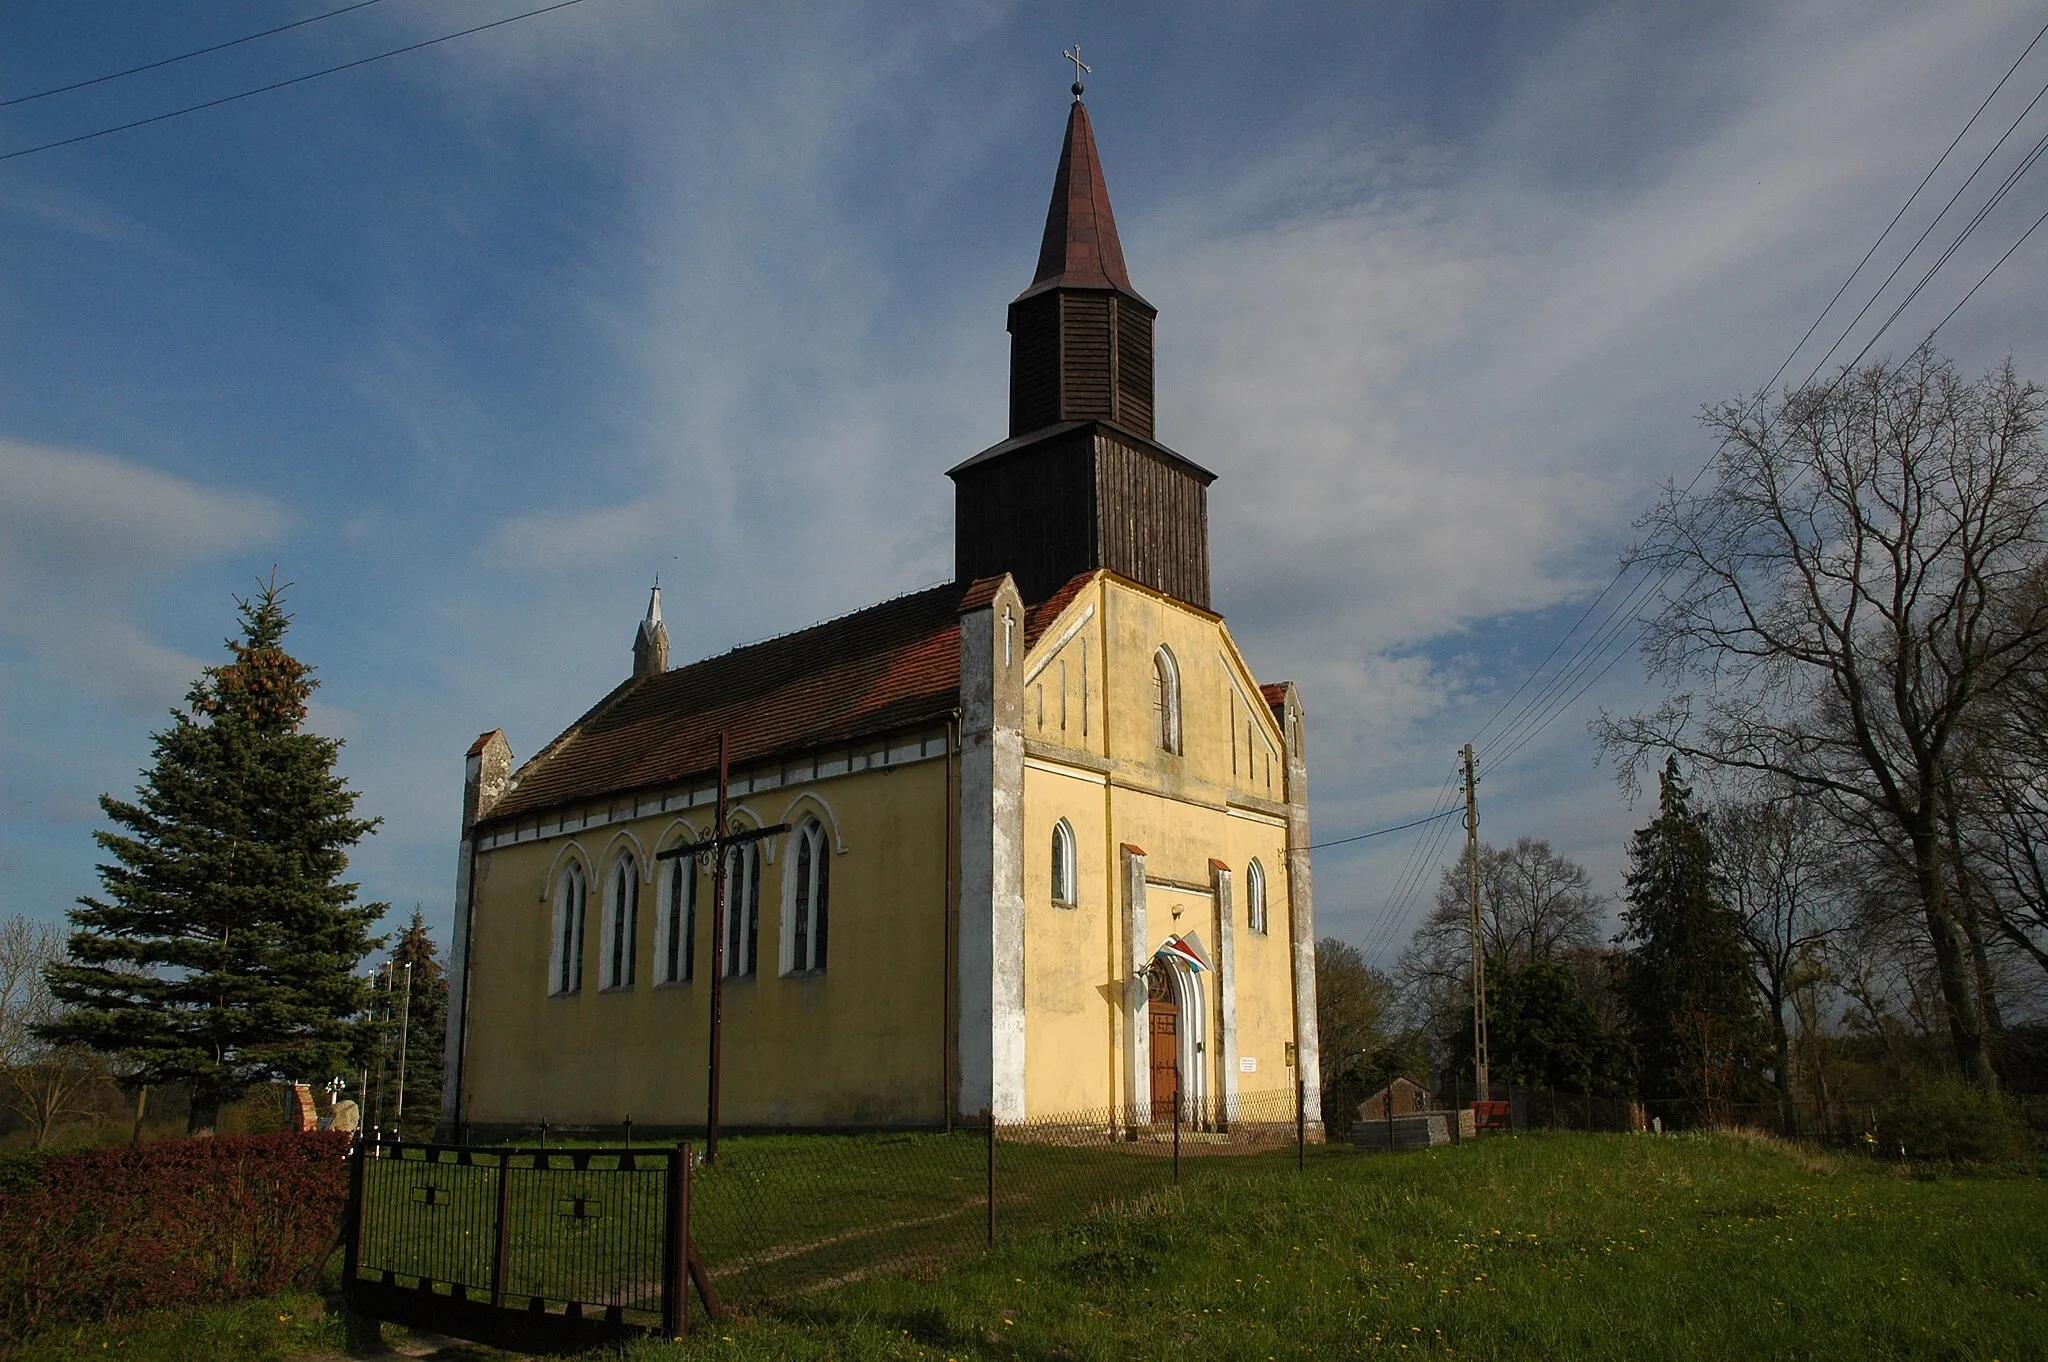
[(1535, 907), (41, 1083), (1835, 609), (1781, 876)]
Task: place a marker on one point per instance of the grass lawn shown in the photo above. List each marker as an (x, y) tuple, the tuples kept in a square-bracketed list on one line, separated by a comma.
[(1569, 1246)]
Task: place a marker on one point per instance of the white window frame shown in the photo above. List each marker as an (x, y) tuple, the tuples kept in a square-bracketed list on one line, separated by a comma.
[(1166, 682), (565, 931), (681, 872), (619, 936), (1255, 897), (1065, 874), (807, 899)]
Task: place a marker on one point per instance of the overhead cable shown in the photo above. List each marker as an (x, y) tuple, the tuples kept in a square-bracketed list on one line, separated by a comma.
[(186, 56), (295, 80)]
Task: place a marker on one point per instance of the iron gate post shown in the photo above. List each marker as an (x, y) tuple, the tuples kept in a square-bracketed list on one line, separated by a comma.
[(1176, 1125), (675, 1239), (352, 1217), (501, 1232)]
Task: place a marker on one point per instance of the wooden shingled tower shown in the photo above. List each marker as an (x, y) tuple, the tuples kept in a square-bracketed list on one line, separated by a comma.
[(1081, 483)]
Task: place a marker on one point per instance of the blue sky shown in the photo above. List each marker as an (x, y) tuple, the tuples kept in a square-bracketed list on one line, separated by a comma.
[(473, 342)]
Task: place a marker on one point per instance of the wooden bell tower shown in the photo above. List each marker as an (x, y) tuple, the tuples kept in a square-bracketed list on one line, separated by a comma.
[(1081, 483)]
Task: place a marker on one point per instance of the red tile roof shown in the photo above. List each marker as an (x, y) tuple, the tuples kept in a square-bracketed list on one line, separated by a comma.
[(878, 670), (1040, 617)]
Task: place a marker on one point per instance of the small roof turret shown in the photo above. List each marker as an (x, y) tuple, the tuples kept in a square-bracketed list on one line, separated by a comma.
[(650, 642)]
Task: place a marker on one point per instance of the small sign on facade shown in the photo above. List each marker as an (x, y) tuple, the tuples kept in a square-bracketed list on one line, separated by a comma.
[(1248, 1064)]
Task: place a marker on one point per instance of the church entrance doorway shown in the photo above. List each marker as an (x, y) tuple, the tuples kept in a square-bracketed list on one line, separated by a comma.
[(1165, 1012)]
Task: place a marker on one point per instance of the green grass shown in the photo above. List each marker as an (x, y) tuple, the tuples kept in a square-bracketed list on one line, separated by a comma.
[(1567, 1246), (270, 1330)]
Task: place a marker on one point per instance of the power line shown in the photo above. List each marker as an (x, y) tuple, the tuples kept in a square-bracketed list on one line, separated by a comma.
[(1541, 709), (1911, 199), (1421, 856), (1921, 240), (295, 80), (185, 56), (1381, 832), (1988, 273)]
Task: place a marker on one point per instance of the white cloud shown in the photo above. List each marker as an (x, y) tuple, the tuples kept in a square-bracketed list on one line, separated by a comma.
[(85, 540)]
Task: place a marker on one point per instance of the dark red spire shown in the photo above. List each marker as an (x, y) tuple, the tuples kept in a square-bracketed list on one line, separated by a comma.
[(1080, 248)]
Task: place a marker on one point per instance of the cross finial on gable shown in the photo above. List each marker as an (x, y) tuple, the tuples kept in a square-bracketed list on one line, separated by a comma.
[(1074, 56), (1009, 627)]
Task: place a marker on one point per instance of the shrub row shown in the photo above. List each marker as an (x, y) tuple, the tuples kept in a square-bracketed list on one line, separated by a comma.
[(106, 1232)]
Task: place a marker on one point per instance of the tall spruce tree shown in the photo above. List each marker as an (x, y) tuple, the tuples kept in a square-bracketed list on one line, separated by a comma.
[(223, 953), (1690, 993)]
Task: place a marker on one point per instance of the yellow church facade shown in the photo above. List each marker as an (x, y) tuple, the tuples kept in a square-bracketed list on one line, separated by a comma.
[(1043, 845)]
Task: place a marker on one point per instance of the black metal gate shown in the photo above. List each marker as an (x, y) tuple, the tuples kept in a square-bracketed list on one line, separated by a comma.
[(541, 1250)]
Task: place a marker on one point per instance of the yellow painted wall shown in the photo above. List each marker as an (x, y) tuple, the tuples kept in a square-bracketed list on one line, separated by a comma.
[(861, 1043), (864, 1043), (1218, 798)]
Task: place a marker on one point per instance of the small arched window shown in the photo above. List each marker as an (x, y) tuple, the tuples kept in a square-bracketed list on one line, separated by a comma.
[(675, 931), (810, 898), (1166, 698), (742, 925), (621, 921), (1063, 864), (1255, 897), (565, 950)]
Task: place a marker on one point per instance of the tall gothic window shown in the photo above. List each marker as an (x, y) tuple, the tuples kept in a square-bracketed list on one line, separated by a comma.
[(1255, 897), (565, 950), (810, 898), (675, 931), (1166, 698), (1063, 864), (621, 921), (742, 925)]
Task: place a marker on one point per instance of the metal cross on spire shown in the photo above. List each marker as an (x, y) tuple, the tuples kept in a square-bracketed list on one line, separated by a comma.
[(1074, 55)]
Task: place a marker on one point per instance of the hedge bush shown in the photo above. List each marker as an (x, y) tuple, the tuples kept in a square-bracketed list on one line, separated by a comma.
[(1951, 1121), (106, 1232)]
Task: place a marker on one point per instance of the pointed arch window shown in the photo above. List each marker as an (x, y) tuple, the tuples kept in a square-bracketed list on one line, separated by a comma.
[(1166, 697), (675, 930), (742, 925), (810, 899), (1063, 869), (1255, 897), (621, 935), (565, 950)]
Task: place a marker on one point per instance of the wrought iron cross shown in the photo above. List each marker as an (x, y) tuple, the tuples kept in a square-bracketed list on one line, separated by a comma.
[(1080, 66)]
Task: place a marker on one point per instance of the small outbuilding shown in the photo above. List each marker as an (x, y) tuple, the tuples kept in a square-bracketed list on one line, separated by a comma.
[(1406, 1096)]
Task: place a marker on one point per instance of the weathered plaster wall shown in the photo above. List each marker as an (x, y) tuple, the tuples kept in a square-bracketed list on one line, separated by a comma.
[(860, 1043)]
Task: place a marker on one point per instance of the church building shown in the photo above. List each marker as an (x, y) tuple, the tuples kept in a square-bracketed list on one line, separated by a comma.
[(1047, 835)]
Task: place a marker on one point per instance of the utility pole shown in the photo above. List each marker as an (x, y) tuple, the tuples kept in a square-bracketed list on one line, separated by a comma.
[(404, 1024), (718, 846), (1480, 1060)]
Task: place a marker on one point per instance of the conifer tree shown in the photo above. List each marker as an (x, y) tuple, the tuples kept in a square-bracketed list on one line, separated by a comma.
[(1688, 986), (413, 1028), (223, 951)]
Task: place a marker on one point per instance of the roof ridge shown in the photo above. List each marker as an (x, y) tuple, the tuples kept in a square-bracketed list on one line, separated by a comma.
[(817, 624)]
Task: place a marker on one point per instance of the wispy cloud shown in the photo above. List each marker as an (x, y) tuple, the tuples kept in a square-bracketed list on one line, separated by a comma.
[(85, 539)]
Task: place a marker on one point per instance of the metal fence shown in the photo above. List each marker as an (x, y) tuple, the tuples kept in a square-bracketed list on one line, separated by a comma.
[(566, 1247), (561, 1248)]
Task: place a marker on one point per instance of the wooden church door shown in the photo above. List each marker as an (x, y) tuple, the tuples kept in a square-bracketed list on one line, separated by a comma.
[(1165, 1056)]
